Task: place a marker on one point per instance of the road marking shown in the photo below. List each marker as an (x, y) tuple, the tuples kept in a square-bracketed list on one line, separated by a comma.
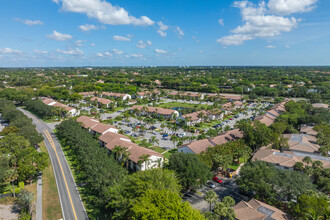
[(46, 132)]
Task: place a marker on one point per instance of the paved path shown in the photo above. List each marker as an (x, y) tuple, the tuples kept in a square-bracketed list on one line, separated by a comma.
[(72, 206), (39, 197)]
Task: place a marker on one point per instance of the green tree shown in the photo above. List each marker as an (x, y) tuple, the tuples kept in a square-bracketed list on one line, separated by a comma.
[(311, 205), (190, 170), (163, 204), (124, 194), (224, 209)]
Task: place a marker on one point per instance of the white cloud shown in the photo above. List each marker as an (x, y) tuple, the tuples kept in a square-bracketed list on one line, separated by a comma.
[(74, 51), (103, 11), (143, 45), (104, 54), (59, 36), (271, 46), (40, 51), (136, 55), (235, 39), (10, 51), (221, 22), (88, 27), (287, 46), (160, 51), (79, 43), (287, 7), (92, 45), (30, 22), (195, 39), (130, 35), (121, 38), (257, 23), (180, 32), (117, 52), (162, 28)]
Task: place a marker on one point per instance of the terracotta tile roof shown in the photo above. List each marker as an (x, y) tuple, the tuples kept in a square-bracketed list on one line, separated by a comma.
[(110, 136), (101, 100), (264, 119), (161, 111), (238, 103), (285, 159), (51, 102), (320, 105), (255, 210), (87, 122), (308, 130), (199, 146), (114, 94), (87, 93), (226, 137), (113, 140), (302, 142), (101, 128), (194, 116)]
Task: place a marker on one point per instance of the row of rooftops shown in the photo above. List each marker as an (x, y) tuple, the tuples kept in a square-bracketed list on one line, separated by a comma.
[(112, 139), (110, 94), (52, 102), (300, 146), (202, 145), (158, 110), (268, 118), (102, 100)]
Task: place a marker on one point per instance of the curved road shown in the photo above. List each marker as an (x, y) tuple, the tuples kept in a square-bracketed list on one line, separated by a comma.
[(72, 206)]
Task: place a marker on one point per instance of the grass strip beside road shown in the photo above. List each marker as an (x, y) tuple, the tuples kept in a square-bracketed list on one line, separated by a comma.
[(51, 206)]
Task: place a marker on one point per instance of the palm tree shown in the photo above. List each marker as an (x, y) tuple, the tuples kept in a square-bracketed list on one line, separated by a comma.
[(153, 140), (211, 197), (159, 162), (11, 177), (299, 166), (144, 158), (125, 158), (118, 152), (174, 139), (307, 160)]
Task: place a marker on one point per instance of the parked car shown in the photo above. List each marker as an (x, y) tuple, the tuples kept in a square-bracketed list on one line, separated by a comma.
[(210, 184), (109, 117), (93, 113), (127, 132), (134, 135), (217, 179)]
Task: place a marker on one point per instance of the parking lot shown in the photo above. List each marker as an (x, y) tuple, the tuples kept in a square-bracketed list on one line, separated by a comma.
[(227, 188)]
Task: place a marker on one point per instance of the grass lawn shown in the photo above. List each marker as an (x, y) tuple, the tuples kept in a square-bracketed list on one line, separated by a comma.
[(169, 153), (157, 149), (51, 206), (180, 104), (234, 166), (33, 189)]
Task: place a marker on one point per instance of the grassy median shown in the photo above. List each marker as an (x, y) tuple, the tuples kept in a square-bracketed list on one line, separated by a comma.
[(51, 207)]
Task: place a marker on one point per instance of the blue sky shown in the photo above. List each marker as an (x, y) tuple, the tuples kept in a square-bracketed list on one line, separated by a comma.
[(164, 32)]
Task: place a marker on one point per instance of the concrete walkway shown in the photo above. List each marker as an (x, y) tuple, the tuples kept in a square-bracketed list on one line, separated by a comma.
[(39, 197)]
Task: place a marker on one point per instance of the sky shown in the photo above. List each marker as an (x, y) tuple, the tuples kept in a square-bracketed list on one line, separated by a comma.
[(59, 33)]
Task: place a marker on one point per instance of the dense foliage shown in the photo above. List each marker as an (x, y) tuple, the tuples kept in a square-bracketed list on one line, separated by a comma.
[(95, 170), (270, 184), (191, 171), (38, 108)]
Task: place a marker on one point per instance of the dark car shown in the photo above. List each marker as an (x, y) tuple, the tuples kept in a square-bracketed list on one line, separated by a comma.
[(217, 179)]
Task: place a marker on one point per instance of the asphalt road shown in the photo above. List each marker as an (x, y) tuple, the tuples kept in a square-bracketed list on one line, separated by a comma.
[(72, 206)]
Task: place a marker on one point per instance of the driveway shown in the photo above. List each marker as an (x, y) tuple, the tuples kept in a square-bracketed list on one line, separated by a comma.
[(227, 188)]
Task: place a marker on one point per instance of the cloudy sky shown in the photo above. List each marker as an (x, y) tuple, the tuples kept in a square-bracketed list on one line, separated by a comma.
[(164, 32)]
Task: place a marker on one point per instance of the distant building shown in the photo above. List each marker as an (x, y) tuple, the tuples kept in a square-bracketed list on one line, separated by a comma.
[(102, 101), (256, 210), (71, 112), (320, 105), (122, 96), (147, 111)]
